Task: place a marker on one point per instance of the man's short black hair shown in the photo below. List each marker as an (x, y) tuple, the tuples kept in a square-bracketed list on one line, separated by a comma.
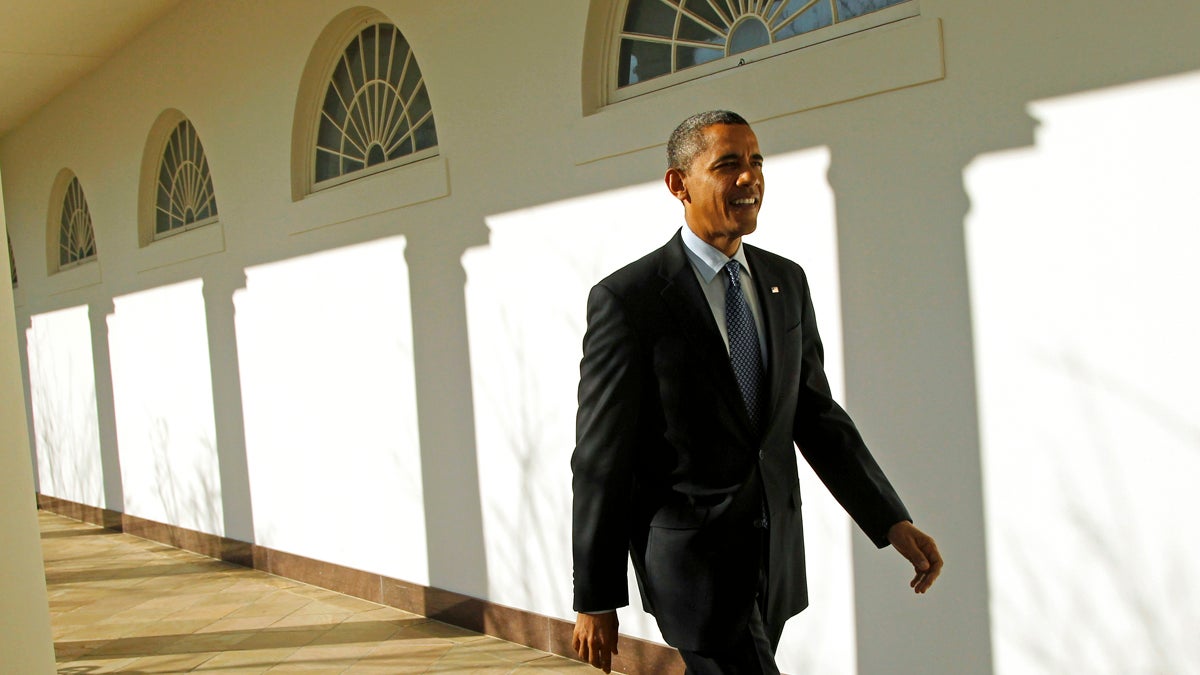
[(687, 140)]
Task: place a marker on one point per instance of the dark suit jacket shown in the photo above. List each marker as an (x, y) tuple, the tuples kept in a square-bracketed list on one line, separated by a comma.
[(668, 469)]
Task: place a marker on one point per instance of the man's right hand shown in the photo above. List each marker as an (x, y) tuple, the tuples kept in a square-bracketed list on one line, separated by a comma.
[(595, 638)]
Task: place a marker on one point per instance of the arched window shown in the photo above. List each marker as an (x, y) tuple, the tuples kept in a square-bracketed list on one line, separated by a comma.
[(662, 38), (376, 112), (184, 196), (176, 194), (76, 238)]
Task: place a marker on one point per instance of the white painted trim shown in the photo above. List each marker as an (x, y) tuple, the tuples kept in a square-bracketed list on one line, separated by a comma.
[(402, 186), (186, 245), (74, 278), (903, 54)]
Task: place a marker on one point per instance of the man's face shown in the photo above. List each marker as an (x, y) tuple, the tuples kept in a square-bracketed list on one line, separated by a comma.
[(723, 189)]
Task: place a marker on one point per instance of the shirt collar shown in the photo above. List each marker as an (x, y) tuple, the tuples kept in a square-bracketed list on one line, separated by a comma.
[(708, 259)]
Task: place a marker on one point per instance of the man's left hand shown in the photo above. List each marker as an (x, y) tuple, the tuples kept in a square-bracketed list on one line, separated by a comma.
[(921, 550)]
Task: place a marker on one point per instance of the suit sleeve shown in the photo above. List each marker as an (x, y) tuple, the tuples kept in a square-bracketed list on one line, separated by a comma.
[(834, 448), (602, 464)]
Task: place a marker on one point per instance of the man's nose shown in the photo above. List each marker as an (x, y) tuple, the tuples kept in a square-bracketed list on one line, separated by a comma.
[(748, 176)]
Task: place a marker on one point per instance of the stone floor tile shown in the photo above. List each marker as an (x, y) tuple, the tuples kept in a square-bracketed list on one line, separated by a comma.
[(259, 660), (358, 634), (386, 614), (206, 642), (306, 669), (172, 627), (298, 620), (65, 650), (436, 630), (352, 604), (133, 647), (399, 657), (278, 604), (90, 666), (322, 657), (273, 639), (553, 665), (169, 663), (237, 624), (95, 631)]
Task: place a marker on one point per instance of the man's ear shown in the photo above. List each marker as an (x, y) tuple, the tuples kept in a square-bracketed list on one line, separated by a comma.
[(675, 183)]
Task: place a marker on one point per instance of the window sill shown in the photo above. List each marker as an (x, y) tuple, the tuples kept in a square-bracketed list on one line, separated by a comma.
[(177, 248), (422, 181), (74, 278), (899, 55)]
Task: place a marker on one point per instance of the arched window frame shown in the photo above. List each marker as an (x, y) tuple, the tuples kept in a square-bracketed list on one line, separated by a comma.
[(159, 142), (325, 57), (611, 76), (68, 193)]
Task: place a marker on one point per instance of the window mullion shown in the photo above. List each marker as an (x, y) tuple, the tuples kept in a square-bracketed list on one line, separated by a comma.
[(783, 24), (721, 13), (702, 21)]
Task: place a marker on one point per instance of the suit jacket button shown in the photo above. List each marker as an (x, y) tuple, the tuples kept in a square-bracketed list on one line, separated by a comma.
[(762, 454)]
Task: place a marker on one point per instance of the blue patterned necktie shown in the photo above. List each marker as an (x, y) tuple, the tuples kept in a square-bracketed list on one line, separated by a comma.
[(743, 345)]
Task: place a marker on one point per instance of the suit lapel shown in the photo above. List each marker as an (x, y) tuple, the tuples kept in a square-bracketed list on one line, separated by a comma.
[(767, 283), (685, 300)]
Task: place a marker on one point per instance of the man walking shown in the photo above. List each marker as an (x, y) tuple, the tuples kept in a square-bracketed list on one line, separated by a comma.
[(702, 370)]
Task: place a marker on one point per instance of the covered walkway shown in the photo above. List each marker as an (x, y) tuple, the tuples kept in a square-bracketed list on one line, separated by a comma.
[(120, 604)]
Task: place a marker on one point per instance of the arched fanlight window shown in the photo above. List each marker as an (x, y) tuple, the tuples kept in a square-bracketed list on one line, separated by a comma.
[(184, 197), (662, 37), (76, 239), (376, 112), (12, 262)]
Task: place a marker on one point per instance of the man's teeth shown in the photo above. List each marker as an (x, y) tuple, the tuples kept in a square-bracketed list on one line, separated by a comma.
[(740, 202)]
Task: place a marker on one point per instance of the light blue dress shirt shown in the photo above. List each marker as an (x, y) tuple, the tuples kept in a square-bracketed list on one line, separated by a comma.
[(709, 265)]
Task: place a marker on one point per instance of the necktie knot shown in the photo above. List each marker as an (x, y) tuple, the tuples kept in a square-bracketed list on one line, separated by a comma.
[(734, 269)]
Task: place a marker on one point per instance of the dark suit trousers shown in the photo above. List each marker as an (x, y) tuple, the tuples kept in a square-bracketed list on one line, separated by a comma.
[(753, 652)]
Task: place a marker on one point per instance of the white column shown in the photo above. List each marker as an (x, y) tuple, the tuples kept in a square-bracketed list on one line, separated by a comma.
[(25, 642)]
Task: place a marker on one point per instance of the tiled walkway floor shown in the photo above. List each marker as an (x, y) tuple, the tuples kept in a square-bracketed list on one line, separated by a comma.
[(120, 604)]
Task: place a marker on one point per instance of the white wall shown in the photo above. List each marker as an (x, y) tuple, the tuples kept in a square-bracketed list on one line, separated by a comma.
[(162, 389), (63, 396), (1087, 376), (331, 413), (426, 432)]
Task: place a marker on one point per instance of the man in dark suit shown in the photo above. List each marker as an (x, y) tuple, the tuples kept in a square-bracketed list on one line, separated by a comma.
[(702, 370)]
